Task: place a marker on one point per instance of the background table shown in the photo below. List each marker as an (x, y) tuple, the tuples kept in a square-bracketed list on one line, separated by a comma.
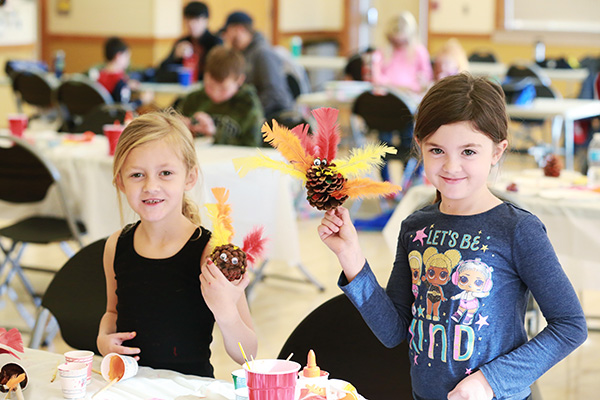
[(263, 197), (571, 217), (147, 384)]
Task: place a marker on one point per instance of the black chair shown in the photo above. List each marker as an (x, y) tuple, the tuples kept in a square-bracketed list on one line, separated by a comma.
[(77, 96), (519, 71), (104, 114), (342, 341), (76, 297), (354, 67), (35, 88), (483, 56), (26, 177)]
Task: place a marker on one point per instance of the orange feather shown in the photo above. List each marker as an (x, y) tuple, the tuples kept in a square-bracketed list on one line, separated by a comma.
[(224, 210), (288, 145), (365, 187)]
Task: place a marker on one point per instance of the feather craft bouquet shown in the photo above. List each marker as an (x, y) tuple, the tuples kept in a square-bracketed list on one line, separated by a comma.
[(231, 259), (312, 158)]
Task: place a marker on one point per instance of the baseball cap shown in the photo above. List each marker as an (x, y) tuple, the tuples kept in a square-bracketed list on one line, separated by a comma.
[(238, 17)]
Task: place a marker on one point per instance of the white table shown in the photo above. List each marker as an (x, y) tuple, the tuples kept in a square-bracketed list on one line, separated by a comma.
[(336, 63), (168, 88), (263, 197), (498, 70), (564, 112), (571, 217), (147, 384)]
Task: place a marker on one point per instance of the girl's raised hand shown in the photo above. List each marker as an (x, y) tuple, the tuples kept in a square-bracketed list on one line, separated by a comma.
[(473, 387), (220, 295), (113, 343)]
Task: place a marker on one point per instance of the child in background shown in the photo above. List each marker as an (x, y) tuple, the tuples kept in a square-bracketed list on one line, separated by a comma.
[(225, 108), (450, 60), (408, 65), (163, 292), (466, 335), (114, 77)]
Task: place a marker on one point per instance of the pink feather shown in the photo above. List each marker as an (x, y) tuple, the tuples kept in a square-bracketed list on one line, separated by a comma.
[(306, 140), (254, 244), (11, 340), (328, 135)]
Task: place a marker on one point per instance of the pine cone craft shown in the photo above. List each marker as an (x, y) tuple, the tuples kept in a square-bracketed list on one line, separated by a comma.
[(231, 259), (312, 158), (553, 166)]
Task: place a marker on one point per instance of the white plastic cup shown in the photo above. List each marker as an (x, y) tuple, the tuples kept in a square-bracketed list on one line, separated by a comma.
[(73, 380), (129, 366), (81, 356), (239, 383), (13, 368)]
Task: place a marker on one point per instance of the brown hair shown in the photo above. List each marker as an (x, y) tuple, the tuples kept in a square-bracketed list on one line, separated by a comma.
[(159, 125), (463, 97), (223, 62)]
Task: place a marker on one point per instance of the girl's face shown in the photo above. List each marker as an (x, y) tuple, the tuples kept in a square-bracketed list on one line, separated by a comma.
[(154, 179), (457, 161)]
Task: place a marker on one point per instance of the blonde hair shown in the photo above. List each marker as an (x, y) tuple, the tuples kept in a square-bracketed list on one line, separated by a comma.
[(159, 125), (452, 50), (404, 23)]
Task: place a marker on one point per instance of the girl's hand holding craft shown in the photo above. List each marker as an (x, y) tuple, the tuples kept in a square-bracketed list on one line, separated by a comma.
[(220, 295)]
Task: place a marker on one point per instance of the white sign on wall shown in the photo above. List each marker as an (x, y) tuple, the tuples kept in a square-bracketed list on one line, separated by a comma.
[(471, 17), (18, 22)]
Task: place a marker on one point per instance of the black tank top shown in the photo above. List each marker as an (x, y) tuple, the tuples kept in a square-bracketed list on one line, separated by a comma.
[(160, 299)]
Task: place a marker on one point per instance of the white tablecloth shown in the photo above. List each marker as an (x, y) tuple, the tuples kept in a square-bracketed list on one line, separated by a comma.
[(147, 384), (263, 197), (571, 216)]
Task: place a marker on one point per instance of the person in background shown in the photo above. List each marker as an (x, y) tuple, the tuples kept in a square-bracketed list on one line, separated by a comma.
[(225, 108), (190, 51), (450, 60), (406, 64), (264, 68), (164, 294), (114, 78), (480, 259)]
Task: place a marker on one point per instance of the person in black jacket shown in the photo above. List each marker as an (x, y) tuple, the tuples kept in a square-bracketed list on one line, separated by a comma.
[(190, 51)]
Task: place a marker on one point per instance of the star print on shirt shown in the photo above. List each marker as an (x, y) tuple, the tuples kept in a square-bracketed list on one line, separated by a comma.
[(482, 321), (468, 371), (420, 310), (420, 236), (415, 360), (484, 248)]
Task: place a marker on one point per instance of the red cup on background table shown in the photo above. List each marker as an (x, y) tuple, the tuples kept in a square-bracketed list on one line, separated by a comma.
[(112, 133), (17, 124), (185, 76)]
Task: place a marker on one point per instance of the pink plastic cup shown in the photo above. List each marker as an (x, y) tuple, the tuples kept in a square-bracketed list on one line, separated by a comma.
[(112, 133), (81, 356), (17, 124), (272, 379)]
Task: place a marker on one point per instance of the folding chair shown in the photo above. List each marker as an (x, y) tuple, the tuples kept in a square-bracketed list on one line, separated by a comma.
[(35, 88), (76, 297), (483, 56), (334, 328), (25, 178), (77, 96)]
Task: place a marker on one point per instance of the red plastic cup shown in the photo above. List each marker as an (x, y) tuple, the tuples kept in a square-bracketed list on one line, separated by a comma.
[(17, 124), (112, 133), (272, 379)]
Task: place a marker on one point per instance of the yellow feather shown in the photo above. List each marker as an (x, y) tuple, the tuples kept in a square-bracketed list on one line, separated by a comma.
[(363, 160), (220, 215), (288, 145), (244, 165), (365, 187)]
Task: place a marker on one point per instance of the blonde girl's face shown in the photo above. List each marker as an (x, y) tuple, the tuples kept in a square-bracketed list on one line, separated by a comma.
[(457, 161), (154, 179)]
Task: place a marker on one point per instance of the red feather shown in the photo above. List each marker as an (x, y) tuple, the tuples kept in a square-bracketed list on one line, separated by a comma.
[(306, 140), (328, 135), (11, 340), (254, 244)]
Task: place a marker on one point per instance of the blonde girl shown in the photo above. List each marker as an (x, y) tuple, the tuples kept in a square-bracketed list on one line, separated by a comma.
[(163, 297)]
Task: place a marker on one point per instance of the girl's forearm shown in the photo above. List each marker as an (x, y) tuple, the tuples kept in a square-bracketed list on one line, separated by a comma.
[(235, 332), (352, 262)]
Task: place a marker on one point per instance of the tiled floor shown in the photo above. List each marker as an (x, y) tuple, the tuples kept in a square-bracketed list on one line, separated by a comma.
[(278, 305)]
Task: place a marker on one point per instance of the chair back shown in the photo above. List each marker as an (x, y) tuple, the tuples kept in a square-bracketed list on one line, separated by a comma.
[(483, 56), (387, 112), (520, 71), (78, 95), (102, 115), (26, 176), (34, 87), (77, 297), (348, 350)]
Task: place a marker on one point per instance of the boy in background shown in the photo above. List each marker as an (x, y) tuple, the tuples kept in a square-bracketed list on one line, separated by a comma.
[(225, 108), (114, 76)]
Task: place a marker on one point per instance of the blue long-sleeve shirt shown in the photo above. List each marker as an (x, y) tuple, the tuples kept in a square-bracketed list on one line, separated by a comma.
[(459, 291)]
